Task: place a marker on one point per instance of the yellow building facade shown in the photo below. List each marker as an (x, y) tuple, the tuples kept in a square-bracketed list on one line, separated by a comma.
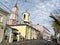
[(22, 31), (26, 32), (3, 16), (25, 16)]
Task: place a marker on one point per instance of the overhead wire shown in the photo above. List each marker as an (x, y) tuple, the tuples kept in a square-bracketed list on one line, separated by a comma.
[(5, 6), (9, 9)]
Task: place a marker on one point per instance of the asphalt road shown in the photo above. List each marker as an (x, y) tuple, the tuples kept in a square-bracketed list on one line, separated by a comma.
[(32, 42)]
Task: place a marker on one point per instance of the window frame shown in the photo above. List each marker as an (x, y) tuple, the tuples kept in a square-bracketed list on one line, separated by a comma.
[(1, 18), (24, 16)]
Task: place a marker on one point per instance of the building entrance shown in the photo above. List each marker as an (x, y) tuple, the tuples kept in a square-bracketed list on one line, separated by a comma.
[(15, 37)]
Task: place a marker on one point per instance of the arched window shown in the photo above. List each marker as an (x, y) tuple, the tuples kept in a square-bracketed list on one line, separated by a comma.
[(24, 16)]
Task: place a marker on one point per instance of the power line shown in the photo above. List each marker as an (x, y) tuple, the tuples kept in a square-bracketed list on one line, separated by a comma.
[(10, 10), (5, 6)]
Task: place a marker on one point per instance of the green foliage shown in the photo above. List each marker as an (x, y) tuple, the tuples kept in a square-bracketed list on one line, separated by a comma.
[(56, 26)]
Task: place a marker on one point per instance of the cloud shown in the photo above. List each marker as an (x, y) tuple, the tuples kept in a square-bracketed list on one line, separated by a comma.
[(39, 9)]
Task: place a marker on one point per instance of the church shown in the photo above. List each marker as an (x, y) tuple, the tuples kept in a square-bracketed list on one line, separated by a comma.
[(19, 32), (16, 32)]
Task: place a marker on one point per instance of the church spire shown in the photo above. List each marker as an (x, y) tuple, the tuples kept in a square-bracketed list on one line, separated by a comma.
[(16, 4), (14, 15)]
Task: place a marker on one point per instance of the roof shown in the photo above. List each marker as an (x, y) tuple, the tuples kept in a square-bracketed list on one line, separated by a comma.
[(14, 29), (45, 28), (26, 25), (4, 11), (7, 26), (40, 27)]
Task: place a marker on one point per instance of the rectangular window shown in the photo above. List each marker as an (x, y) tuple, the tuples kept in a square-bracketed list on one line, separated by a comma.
[(1, 18), (1, 27)]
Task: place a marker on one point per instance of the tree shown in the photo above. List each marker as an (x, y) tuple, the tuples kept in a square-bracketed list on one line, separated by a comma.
[(56, 24)]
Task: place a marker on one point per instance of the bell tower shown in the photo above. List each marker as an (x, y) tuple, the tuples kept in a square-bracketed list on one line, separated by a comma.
[(25, 17), (14, 15)]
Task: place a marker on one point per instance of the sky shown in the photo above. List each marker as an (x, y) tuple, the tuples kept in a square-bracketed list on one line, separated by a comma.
[(39, 10)]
